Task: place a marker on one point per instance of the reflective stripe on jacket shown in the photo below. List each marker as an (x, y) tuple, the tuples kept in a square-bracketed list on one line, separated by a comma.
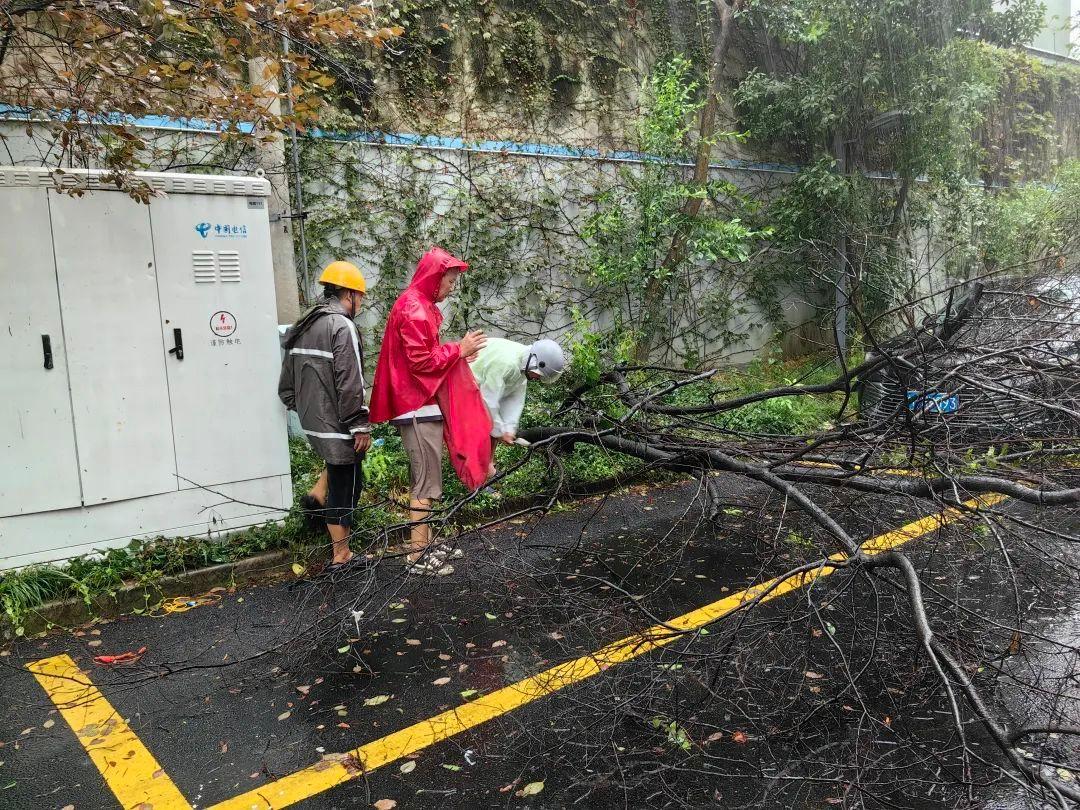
[(322, 379)]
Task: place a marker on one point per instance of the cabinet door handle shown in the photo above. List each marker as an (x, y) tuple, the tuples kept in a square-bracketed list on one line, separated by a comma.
[(178, 344), (46, 349)]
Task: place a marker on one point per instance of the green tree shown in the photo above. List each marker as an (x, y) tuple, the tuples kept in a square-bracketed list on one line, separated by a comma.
[(644, 231), (896, 86)]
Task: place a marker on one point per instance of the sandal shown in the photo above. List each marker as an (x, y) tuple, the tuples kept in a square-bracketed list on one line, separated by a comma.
[(444, 551), (431, 565), (334, 568)]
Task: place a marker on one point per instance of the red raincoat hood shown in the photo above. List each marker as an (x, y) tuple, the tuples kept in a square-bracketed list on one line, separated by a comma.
[(430, 270)]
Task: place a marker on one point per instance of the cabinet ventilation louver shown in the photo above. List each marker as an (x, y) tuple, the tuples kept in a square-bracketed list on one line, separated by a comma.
[(209, 267), (203, 265), (229, 265)]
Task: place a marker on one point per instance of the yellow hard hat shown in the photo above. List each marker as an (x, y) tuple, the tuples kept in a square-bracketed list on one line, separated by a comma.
[(344, 274)]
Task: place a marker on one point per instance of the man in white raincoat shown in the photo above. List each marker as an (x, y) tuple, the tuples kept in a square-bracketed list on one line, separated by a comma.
[(503, 369)]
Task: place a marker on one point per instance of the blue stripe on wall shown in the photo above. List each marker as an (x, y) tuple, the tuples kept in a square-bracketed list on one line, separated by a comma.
[(165, 123), (405, 139)]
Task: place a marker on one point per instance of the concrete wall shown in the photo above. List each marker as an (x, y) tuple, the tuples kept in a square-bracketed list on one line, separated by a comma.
[(1057, 35), (529, 212)]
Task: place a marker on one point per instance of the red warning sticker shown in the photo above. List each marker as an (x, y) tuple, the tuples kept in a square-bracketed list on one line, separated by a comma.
[(223, 324)]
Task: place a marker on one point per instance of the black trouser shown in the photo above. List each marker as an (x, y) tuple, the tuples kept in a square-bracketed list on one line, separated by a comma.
[(344, 485)]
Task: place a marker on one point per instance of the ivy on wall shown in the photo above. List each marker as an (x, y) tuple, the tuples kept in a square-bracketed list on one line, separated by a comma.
[(555, 246)]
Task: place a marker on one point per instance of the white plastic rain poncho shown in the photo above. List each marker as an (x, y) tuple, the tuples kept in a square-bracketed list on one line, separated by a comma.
[(500, 373)]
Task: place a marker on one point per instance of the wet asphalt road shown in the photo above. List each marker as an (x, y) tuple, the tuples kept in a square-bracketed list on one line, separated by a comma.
[(270, 679)]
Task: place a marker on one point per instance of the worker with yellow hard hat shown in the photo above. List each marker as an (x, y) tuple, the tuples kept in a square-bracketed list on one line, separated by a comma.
[(322, 379), (344, 275)]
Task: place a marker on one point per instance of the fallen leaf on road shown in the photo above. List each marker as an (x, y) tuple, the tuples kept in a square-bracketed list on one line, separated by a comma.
[(814, 676), (344, 649), (298, 569), (48, 724), (491, 616), (499, 643), (440, 681), (94, 643), (413, 642), (375, 700), (739, 737), (716, 735), (303, 690), (532, 788), (444, 657), (555, 634), (407, 767), (451, 767), (385, 804), (343, 725), (284, 716), (68, 807), (468, 693), (1014, 643), (507, 788)]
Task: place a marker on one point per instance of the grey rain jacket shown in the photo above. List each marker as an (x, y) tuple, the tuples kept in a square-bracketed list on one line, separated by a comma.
[(322, 379)]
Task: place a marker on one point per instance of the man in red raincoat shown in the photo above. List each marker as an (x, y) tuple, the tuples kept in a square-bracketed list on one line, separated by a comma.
[(425, 388)]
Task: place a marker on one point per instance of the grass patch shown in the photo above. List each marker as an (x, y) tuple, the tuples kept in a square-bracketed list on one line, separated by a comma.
[(782, 415)]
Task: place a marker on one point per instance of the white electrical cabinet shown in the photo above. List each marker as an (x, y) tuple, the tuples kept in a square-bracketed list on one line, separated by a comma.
[(138, 362)]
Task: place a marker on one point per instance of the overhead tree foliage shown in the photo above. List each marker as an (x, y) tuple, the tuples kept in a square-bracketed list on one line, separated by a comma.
[(81, 72)]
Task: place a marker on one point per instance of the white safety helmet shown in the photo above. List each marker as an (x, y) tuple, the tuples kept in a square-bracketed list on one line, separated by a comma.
[(546, 359)]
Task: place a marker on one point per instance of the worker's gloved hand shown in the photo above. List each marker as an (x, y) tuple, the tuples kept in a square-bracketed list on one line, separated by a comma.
[(361, 442), (508, 438)]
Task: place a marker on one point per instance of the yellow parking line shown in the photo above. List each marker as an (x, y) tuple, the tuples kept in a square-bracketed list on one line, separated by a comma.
[(130, 770), (308, 782)]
